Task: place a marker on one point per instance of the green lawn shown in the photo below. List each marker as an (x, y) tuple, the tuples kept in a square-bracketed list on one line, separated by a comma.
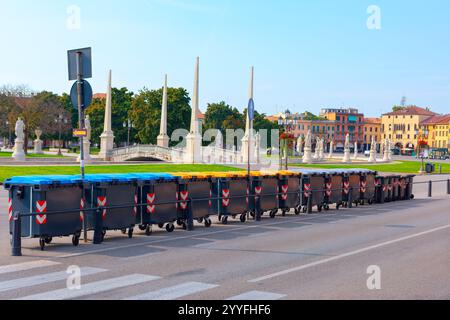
[(30, 155), (11, 171), (396, 167)]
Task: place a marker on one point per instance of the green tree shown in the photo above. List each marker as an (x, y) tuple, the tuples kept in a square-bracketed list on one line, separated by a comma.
[(217, 113), (121, 106), (397, 108), (146, 113)]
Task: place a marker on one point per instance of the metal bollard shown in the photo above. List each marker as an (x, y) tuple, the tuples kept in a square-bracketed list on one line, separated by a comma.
[(430, 189), (190, 217), (440, 168), (309, 204), (98, 227), (448, 186), (16, 241), (350, 198)]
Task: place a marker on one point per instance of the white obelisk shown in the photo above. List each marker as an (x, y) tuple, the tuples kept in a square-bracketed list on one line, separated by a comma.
[(194, 138), (107, 137), (249, 136), (163, 138)]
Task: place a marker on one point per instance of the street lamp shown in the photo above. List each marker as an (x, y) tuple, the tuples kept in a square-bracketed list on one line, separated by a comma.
[(288, 122), (129, 125), (60, 120)]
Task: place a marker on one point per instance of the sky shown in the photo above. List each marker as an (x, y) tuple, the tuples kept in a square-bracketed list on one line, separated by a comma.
[(307, 54)]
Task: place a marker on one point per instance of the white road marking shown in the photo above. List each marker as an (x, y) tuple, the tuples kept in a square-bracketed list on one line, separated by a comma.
[(43, 279), (93, 288), (27, 266), (175, 292), (151, 242), (348, 254), (258, 295)]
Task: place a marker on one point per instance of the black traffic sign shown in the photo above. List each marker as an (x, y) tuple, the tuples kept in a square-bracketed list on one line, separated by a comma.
[(85, 55), (86, 97)]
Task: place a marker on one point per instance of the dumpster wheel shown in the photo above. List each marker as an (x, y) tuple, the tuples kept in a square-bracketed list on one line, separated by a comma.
[(298, 210), (148, 230), (273, 214), (208, 222), (170, 227), (243, 217), (142, 227), (130, 233), (224, 220), (76, 240), (42, 243), (48, 240), (370, 201)]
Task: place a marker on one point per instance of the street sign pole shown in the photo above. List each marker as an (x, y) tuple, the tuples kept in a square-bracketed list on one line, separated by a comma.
[(251, 116), (81, 125)]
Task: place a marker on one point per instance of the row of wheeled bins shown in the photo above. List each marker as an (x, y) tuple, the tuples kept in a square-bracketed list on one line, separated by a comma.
[(58, 206)]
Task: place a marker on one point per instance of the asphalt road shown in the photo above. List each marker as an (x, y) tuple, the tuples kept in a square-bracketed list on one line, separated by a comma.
[(319, 256)]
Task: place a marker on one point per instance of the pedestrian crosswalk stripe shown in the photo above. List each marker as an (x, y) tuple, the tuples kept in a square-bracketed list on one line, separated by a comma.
[(175, 292), (27, 266), (93, 288), (43, 279), (258, 295)]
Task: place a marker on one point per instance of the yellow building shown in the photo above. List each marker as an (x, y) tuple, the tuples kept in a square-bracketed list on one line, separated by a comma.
[(435, 132), (402, 127), (372, 129)]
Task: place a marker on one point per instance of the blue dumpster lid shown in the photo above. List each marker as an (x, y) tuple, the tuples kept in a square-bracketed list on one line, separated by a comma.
[(154, 176), (107, 178), (39, 180)]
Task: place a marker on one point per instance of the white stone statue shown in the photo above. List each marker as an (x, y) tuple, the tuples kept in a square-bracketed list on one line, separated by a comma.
[(321, 149), (330, 155), (382, 145), (19, 153), (299, 145), (386, 150), (87, 126), (389, 146), (20, 127), (356, 151), (346, 158), (373, 151), (307, 157), (317, 150), (347, 141)]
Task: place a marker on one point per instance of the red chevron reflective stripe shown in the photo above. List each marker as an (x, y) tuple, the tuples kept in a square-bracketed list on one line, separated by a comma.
[(184, 195), (284, 191), (225, 196), (10, 215), (346, 187), (307, 189), (82, 205), (390, 187), (135, 208), (210, 197), (151, 208), (329, 187), (363, 186), (41, 207), (101, 202)]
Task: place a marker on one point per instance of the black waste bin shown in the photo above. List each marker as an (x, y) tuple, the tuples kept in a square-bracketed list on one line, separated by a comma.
[(430, 168), (196, 187), (313, 181), (36, 197), (367, 186), (157, 195), (230, 193), (289, 191), (333, 189), (409, 180), (265, 190), (111, 190), (350, 186)]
